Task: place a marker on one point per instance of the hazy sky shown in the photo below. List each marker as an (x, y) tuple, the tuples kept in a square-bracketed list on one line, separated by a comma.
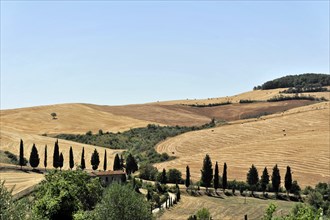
[(111, 52)]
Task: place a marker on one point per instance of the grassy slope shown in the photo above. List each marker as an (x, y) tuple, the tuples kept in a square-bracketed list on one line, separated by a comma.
[(261, 142), (227, 208)]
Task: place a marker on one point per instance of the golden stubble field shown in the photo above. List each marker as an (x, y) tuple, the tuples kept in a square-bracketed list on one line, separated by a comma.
[(304, 146)]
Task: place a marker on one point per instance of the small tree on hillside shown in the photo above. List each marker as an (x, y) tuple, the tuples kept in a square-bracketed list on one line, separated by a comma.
[(116, 163), (216, 177), (288, 180), (224, 177), (207, 172), (163, 178), (264, 180), (187, 182), (71, 160), (56, 155), (82, 162), (61, 161), (105, 160), (95, 160), (253, 178), (131, 165), (276, 179), (45, 158), (21, 154), (34, 157), (174, 176), (53, 114)]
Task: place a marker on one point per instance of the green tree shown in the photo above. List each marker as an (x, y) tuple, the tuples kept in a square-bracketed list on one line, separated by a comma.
[(276, 179), (122, 166), (216, 177), (264, 180), (122, 202), (95, 160), (82, 162), (53, 114), (203, 214), (224, 177), (207, 172), (71, 159), (288, 180), (174, 176), (148, 172), (61, 161), (163, 179), (116, 163), (105, 160), (187, 182), (21, 154), (62, 194), (252, 178), (45, 158), (131, 164), (56, 155), (34, 157)]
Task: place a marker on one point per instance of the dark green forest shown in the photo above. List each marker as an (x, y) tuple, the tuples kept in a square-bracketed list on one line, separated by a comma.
[(302, 81)]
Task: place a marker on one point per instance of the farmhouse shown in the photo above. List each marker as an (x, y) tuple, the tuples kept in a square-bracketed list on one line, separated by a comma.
[(108, 177)]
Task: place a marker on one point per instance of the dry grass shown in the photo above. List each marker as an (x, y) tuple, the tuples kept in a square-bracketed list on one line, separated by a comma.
[(305, 145), (227, 208)]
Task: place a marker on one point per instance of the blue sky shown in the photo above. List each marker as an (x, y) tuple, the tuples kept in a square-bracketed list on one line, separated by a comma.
[(113, 53)]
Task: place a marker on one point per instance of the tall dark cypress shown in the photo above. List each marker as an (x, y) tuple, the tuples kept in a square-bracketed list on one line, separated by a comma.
[(224, 177), (116, 163), (216, 177), (45, 159), (163, 179), (61, 161), (56, 155), (105, 160), (187, 177), (95, 160), (122, 166), (264, 180), (71, 159), (21, 154), (252, 178), (82, 162), (207, 171), (288, 180), (131, 164), (276, 179), (34, 157)]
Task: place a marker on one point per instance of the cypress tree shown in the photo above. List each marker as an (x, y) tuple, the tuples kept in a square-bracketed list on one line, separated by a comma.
[(224, 177), (56, 155), (95, 160), (216, 177), (116, 164), (121, 162), (45, 159), (276, 179), (264, 180), (131, 165), (288, 180), (105, 160), (71, 160), (61, 161), (252, 178), (178, 193), (82, 162), (207, 172), (187, 177), (34, 157), (21, 154), (163, 179)]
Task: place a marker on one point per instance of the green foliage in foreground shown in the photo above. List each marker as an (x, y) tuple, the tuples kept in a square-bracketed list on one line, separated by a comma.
[(120, 202), (202, 214), (10, 209), (64, 193), (140, 142)]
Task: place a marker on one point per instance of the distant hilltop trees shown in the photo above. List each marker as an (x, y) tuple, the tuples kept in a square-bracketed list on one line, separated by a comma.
[(306, 80)]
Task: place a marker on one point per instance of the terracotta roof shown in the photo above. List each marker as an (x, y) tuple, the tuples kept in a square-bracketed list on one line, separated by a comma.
[(107, 173)]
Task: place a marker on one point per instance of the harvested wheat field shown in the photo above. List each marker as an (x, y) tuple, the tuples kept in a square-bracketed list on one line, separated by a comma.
[(298, 138), (224, 208), (20, 180)]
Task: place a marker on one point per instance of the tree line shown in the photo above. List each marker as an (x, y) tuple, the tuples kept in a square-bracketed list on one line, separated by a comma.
[(58, 160)]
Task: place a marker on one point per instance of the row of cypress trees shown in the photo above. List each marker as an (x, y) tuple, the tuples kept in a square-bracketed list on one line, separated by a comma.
[(58, 159), (252, 177)]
